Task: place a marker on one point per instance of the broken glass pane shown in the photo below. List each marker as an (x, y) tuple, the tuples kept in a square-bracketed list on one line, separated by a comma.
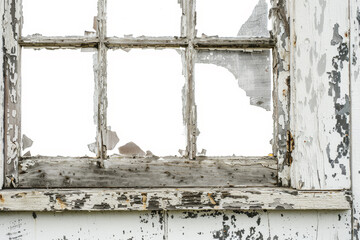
[(57, 102), (58, 18), (232, 18), (233, 98), (145, 101), (143, 18)]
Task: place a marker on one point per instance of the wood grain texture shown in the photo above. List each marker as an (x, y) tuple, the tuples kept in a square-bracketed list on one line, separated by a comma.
[(320, 115), (171, 199), (147, 172)]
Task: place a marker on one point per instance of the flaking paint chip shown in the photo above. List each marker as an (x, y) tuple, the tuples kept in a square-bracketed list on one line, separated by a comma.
[(131, 149), (26, 142)]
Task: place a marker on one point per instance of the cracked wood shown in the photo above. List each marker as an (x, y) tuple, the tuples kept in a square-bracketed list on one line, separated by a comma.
[(147, 172)]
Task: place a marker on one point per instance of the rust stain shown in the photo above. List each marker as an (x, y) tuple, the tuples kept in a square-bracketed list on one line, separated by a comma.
[(62, 204), (211, 199), (2, 199)]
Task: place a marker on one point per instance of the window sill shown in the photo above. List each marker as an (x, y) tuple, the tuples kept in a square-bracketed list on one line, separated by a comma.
[(132, 199)]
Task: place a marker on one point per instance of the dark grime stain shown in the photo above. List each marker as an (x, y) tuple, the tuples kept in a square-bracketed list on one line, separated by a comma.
[(342, 108)]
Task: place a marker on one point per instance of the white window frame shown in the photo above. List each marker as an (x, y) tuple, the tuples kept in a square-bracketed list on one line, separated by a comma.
[(247, 195)]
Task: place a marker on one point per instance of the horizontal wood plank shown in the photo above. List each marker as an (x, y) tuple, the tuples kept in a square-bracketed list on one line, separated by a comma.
[(147, 172), (171, 199)]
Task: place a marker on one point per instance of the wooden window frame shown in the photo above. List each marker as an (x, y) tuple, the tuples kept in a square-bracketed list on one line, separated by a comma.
[(58, 183)]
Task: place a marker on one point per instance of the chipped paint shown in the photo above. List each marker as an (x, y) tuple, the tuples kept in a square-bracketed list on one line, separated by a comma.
[(11, 24), (320, 101), (279, 14), (125, 199)]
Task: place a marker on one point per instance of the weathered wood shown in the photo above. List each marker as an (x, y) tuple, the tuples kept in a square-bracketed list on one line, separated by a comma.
[(171, 199), (147, 172), (2, 104), (233, 43), (281, 88), (190, 114), (320, 115), (11, 24), (39, 41), (355, 112), (101, 84), (142, 42)]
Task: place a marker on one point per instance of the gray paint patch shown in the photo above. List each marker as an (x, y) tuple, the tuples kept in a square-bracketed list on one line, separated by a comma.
[(313, 101), (308, 81), (337, 38), (319, 25), (321, 65)]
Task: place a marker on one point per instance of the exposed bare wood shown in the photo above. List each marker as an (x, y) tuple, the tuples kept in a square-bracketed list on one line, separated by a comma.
[(234, 43), (152, 42), (38, 41), (148, 172), (12, 22), (171, 199), (281, 88)]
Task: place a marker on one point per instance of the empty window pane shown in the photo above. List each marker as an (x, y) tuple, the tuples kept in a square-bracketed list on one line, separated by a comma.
[(143, 17), (231, 18), (233, 97), (58, 17), (145, 101), (57, 102)]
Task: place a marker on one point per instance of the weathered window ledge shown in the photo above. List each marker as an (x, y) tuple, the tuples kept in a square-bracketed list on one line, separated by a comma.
[(124, 199)]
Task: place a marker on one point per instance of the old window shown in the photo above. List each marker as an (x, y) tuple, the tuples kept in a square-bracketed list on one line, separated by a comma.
[(167, 111), (175, 94)]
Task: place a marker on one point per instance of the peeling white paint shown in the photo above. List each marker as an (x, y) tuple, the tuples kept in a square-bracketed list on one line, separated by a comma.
[(355, 112), (319, 109)]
